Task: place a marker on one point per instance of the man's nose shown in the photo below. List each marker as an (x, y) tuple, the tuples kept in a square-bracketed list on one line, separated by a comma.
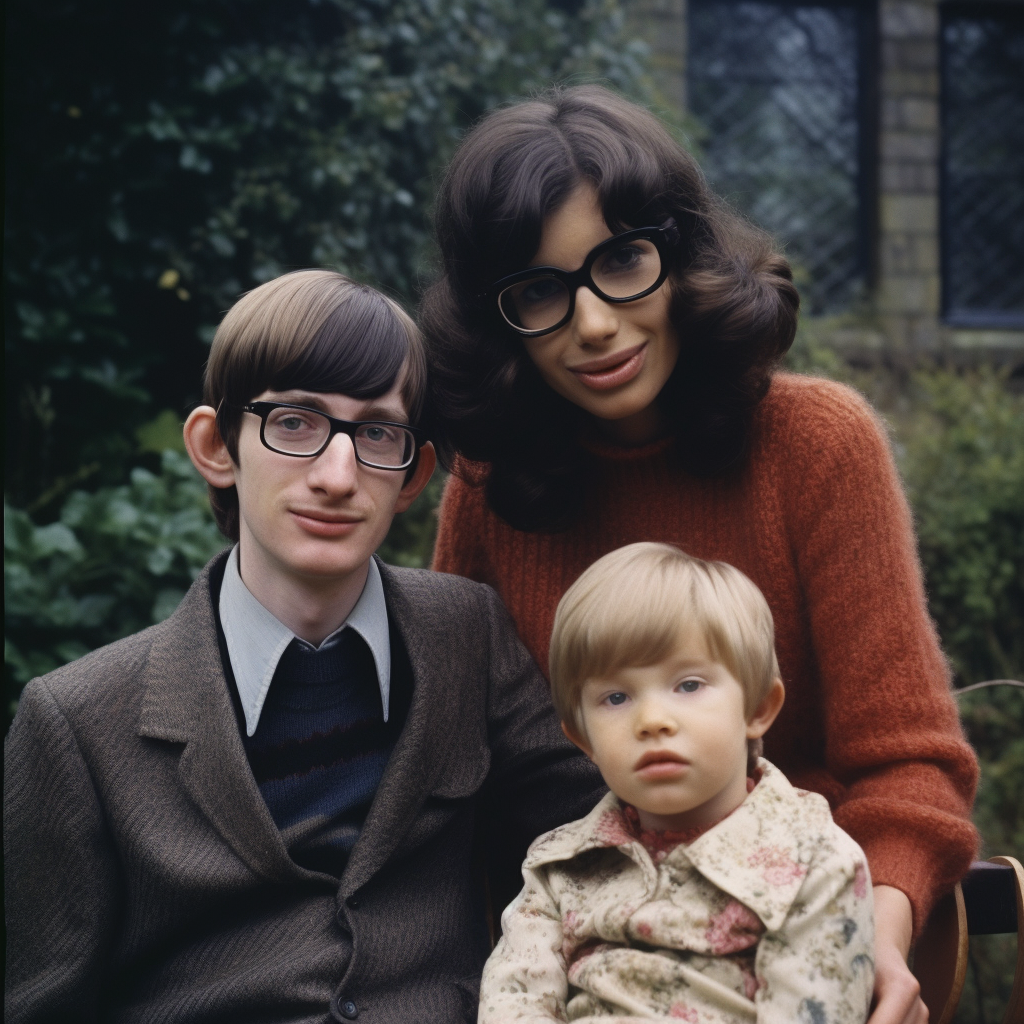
[(336, 468), (594, 320)]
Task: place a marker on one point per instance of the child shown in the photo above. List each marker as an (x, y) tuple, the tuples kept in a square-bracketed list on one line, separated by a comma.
[(703, 887)]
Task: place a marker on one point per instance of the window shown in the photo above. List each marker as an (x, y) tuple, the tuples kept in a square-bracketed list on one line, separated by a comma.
[(983, 164), (782, 91)]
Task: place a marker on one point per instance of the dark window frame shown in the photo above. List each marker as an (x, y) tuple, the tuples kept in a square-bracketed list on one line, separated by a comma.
[(867, 114), (952, 315)]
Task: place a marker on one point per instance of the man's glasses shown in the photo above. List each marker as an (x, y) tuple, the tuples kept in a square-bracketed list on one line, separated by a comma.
[(629, 266), (305, 433)]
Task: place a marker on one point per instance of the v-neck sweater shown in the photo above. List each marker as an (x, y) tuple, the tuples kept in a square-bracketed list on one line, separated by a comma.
[(817, 518)]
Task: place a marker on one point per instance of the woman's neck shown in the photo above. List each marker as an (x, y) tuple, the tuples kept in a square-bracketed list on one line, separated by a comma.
[(633, 431)]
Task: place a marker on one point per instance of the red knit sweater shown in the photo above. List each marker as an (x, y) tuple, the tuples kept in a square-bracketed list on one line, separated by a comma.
[(818, 520)]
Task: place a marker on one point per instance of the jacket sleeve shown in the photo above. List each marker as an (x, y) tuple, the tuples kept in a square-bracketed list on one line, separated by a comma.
[(525, 977), (819, 965), (897, 770), (60, 870), (538, 779)]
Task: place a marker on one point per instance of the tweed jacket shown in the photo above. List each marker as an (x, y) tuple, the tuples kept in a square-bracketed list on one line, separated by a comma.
[(766, 916), (146, 880)]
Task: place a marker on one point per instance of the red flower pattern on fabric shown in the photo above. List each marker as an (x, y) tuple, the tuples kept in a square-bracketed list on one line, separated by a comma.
[(680, 1011), (860, 882), (777, 866), (734, 928)]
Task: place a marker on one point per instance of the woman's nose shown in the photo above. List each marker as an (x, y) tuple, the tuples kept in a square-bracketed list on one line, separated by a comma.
[(594, 320)]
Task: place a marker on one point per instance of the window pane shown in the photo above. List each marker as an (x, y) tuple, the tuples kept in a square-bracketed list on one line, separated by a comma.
[(983, 164), (777, 86)]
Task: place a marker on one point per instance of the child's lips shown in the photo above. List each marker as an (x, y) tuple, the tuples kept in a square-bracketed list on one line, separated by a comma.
[(661, 764)]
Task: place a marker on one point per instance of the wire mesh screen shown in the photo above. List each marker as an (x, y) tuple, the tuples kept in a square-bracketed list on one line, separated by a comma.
[(983, 164), (777, 87)]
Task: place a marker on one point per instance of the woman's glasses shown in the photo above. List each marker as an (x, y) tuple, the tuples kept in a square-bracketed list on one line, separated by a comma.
[(629, 266), (305, 433)]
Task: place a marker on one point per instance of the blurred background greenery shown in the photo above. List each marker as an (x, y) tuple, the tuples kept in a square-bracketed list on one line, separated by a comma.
[(162, 159)]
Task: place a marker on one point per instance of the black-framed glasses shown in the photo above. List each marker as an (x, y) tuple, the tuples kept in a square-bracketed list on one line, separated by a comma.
[(628, 266), (305, 433)]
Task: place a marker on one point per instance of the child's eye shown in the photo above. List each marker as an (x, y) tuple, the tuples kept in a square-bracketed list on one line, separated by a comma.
[(689, 685), (615, 699)]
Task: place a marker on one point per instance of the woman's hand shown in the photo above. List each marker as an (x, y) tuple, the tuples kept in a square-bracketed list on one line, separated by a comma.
[(897, 992)]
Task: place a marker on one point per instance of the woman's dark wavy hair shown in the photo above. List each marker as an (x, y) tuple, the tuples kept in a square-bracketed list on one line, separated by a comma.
[(734, 304)]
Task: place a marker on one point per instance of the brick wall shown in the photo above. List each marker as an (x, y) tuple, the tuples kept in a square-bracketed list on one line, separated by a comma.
[(904, 303)]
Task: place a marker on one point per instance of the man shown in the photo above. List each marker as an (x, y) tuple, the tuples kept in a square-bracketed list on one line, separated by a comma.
[(280, 803)]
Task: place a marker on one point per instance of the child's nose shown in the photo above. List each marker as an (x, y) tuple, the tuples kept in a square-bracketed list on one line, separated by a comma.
[(654, 719)]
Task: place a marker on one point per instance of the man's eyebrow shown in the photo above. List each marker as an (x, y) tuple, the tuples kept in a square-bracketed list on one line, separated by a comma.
[(313, 400)]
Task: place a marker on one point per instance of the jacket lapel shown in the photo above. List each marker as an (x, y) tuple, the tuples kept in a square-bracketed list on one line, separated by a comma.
[(187, 701), (442, 750)]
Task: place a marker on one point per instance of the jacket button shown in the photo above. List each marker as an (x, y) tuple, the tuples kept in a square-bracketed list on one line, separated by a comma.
[(353, 902), (343, 1009)]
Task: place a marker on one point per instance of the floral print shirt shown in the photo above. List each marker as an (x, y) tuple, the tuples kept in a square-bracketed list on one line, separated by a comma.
[(765, 916)]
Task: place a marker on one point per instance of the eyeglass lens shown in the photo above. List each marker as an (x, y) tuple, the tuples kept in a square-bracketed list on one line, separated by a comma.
[(620, 273), (304, 432)]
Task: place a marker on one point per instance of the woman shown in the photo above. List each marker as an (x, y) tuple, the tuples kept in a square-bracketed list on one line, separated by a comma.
[(604, 341)]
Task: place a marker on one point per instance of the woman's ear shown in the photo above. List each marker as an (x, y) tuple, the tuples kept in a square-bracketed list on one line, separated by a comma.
[(761, 720), (420, 478), (206, 449)]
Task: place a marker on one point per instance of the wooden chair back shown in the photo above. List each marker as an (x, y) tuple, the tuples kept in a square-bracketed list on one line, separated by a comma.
[(990, 900)]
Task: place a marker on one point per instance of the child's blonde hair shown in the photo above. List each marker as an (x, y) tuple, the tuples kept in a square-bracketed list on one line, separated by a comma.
[(630, 608)]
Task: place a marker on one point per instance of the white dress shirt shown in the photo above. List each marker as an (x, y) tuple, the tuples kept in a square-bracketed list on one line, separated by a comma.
[(256, 638)]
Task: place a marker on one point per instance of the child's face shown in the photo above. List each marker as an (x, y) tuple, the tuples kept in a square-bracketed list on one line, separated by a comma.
[(671, 738)]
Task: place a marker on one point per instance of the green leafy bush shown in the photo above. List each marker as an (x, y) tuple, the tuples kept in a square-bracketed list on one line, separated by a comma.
[(162, 162), (114, 562)]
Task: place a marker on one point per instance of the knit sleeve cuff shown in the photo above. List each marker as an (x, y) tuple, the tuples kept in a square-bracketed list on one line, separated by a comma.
[(923, 852)]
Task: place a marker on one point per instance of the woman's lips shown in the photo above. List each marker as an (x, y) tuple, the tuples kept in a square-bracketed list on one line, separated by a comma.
[(321, 527), (613, 371)]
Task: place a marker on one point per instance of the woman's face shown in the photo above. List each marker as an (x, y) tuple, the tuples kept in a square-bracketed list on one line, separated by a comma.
[(611, 360)]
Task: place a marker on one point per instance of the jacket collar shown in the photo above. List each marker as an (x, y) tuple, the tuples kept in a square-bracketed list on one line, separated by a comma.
[(441, 751), (759, 854)]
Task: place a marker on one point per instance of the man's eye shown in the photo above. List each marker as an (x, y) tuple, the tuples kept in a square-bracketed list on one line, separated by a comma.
[(689, 685), (615, 699), (291, 423)]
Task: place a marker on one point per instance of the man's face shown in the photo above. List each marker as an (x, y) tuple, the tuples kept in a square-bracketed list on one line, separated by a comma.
[(317, 519)]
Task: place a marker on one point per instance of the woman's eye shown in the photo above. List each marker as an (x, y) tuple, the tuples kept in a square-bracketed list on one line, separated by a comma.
[(615, 699), (623, 258), (543, 290), (689, 685)]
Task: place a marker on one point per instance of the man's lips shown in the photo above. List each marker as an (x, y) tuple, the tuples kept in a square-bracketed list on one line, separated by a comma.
[(612, 370), (661, 764), (325, 524)]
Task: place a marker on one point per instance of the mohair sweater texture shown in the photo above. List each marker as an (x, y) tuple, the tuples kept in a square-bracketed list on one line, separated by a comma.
[(816, 517)]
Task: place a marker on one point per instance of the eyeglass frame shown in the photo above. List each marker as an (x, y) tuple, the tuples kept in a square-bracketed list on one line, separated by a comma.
[(337, 426), (664, 237)]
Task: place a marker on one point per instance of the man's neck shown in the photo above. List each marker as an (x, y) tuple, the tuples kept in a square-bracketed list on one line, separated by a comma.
[(311, 607)]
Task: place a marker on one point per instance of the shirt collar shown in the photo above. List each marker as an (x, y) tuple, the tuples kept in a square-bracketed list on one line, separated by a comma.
[(256, 638)]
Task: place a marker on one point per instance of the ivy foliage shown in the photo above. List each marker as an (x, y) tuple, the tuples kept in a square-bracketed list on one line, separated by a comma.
[(162, 159)]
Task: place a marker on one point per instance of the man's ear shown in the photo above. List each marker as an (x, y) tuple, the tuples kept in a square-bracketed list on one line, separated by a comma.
[(576, 738), (420, 478), (206, 449), (761, 720)]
